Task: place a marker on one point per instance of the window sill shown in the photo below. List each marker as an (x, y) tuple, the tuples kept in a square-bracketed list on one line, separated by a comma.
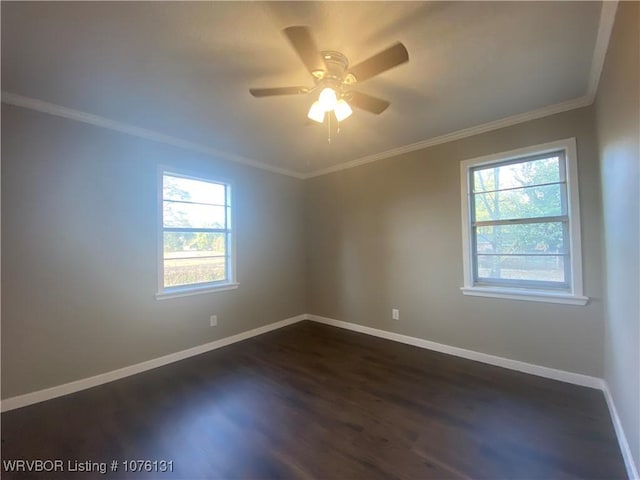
[(187, 292), (526, 295)]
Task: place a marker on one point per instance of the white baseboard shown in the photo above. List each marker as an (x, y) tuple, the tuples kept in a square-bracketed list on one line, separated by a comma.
[(552, 373), (75, 386), (562, 375), (632, 471)]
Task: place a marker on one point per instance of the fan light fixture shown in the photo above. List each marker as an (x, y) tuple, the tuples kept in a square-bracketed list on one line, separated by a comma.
[(316, 113), (327, 99), (335, 78), (327, 102), (342, 110)]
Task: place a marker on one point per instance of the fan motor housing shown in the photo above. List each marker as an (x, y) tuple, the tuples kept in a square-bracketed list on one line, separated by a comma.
[(337, 65)]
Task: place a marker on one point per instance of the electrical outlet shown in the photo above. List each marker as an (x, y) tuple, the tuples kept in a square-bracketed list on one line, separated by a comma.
[(213, 320), (395, 314)]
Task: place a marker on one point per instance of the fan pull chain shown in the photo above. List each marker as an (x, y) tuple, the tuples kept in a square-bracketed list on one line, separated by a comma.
[(329, 128)]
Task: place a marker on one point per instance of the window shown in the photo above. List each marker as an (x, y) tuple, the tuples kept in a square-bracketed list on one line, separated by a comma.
[(521, 225), (196, 236)]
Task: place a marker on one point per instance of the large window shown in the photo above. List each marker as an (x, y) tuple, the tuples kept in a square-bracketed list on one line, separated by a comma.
[(521, 225), (196, 238)]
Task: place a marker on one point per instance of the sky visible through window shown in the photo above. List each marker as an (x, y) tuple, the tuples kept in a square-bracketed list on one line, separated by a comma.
[(195, 231), (524, 248)]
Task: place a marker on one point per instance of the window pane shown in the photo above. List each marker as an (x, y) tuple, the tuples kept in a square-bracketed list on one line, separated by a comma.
[(547, 269), (188, 271), (523, 174), (178, 188), (531, 238), (193, 244), (529, 202), (177, 214)]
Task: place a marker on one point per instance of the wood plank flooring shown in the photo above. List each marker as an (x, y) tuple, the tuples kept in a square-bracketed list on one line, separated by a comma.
[(312, 401)]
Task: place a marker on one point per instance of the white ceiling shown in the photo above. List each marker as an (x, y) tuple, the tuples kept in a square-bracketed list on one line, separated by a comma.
[(184, 69)]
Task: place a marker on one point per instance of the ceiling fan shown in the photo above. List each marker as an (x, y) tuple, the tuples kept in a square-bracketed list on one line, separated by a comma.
[(334, 78)]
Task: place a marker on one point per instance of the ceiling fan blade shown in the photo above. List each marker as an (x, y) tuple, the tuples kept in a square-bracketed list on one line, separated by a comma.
[(304, 45), (367, 102), (268, 92), (380, 62)]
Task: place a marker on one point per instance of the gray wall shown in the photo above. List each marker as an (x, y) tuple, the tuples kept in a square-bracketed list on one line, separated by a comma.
[(388, 234), (79, 253), (618, 128)]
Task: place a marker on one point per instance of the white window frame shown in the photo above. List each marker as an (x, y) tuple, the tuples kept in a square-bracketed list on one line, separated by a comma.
[(572, 296), (200, 288)]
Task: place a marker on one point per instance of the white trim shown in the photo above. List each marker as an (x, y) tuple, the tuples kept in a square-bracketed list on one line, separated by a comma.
[(526, 295), (576, 296), (460, 134), (187, 292), (19, 401), (98, 121), (630, 465), (605, 27), (573, 195), (159, 231), (546, 372), (78, 385), (57, 110)]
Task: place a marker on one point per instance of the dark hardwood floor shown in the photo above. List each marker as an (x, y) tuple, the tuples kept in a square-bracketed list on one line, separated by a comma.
[(311, 401)]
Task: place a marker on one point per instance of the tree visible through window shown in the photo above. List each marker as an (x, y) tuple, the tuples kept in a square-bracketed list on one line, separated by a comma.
[(196, 232), (521, 224), (520, 221)]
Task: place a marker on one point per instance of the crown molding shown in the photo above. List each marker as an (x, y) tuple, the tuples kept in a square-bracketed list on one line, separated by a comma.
[(607, 19), (605, 27), (60, 111), (98, 121), (460, 134)]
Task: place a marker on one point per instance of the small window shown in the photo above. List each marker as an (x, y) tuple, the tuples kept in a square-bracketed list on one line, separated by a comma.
[(196, 239), (521, 225)]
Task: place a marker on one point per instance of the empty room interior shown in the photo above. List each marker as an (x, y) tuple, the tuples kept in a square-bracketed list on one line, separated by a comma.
[(320, 240)]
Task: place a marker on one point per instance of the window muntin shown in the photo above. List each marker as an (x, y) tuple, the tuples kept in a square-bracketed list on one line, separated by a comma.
[(196, 241), (534, 235), (520, 223)]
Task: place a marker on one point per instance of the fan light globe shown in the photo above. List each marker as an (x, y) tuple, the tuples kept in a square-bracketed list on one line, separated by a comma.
[(334, 78), (316, 113), (327, 99), (342, 110)]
